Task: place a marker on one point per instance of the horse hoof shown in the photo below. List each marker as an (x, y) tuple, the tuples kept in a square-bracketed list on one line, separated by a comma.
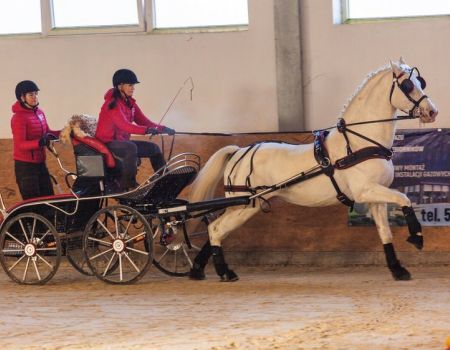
[(401, 274), (197, 274), (416, 241), (230, 276)]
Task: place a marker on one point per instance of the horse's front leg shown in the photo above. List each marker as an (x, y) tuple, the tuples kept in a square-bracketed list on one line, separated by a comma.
[(375, 193), (219, 229), (379, 214)]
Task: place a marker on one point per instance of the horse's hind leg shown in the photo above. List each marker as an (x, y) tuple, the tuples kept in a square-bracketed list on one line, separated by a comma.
[(379, 214), (219, 229)]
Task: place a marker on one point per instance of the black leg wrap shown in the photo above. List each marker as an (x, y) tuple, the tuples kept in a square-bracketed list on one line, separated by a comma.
[(221, 266), (197, 272), (414, 227), (398, 271)]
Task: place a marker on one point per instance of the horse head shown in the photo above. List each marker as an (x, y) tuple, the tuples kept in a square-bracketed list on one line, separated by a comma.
[(407, 93)]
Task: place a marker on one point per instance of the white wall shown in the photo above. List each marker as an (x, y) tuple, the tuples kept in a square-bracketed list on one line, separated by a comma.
[(233, 73), (336, 59)]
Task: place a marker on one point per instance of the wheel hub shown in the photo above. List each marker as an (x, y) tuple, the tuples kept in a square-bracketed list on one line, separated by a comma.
[(119, 246), (30, 249)]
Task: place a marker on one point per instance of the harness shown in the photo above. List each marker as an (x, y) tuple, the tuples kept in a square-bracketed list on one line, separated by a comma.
[(324, 164)]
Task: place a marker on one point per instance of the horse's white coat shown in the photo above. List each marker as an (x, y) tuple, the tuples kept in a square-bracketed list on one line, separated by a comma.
[(366, 182)]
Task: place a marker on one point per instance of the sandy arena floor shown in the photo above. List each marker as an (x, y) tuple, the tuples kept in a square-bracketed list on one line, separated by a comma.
[(269, 308)]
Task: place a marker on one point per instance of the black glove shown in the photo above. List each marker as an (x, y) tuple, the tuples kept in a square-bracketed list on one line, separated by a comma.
[(152, 131), (44, 141), (168, 131), (51, 137)]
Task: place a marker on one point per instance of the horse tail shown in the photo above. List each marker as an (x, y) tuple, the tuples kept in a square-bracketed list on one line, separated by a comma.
[(206, 182)]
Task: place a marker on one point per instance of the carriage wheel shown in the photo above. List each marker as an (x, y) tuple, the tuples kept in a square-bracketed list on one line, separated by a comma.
[(30, 249), (75, 255), (174, 248), (117, 244)]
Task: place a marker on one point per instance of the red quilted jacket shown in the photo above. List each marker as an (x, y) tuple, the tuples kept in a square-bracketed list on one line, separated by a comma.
[(28, 126), (121, 121)]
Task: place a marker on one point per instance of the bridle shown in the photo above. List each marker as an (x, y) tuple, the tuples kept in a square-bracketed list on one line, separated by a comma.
[(406, 87)]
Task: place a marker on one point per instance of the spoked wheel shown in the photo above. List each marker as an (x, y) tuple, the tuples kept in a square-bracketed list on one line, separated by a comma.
[(30, 249), (117, 244), (75, 255), (175, 247)]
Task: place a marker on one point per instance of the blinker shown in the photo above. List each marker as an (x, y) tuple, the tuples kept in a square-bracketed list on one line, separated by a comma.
[(407, 86)]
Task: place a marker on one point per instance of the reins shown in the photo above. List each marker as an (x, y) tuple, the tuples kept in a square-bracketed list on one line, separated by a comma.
[(398, 118)]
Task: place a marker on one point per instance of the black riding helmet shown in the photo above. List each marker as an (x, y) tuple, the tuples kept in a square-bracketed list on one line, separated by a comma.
[(124, 76), (25, 87)]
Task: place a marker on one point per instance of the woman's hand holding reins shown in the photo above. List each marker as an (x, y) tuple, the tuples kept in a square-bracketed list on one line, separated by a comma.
[(45, 140), (164, 130), (152, 131), (168, 131)]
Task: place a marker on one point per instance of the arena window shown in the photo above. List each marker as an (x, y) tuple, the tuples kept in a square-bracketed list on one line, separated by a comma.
[(199, 13), (363, 10), (93, 13), (97, 15), (59, 17), (20, 17)]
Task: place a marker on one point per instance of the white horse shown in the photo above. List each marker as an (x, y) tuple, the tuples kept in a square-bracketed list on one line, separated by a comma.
[(393, 87)]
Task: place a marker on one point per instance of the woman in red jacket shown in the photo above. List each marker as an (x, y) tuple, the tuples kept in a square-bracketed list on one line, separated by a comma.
[(30, 136), (120, 117)]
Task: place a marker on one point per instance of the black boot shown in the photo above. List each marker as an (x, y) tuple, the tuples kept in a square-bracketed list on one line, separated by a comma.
[(198, 269), (225, 274), (414, 227), (398, 271)]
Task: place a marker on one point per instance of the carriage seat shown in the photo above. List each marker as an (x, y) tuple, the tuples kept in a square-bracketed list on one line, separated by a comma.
[(90, 146)]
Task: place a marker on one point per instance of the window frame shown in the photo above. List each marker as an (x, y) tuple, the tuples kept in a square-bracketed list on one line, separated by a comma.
[(345, 19), (151, 24), (25, 34), (48, 28), (146, 24)]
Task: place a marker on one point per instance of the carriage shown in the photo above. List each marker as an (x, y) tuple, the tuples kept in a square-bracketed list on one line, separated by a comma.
[(114, 236)]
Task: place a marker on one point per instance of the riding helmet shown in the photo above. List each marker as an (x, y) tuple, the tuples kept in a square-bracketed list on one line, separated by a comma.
[(25, 87), (124, 76)]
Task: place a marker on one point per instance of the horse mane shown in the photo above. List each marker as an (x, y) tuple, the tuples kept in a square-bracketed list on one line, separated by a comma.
[(368, 78), (81, 125)]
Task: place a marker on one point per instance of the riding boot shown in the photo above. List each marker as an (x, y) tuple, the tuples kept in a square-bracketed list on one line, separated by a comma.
[(198, 268), (414, 227), (225, 274), (398, 271)]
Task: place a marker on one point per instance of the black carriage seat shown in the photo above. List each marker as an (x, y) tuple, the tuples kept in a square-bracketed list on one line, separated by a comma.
[(167, 183)]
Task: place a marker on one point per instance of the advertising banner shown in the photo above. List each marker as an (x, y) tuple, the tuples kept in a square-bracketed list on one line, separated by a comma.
[(422, 172)]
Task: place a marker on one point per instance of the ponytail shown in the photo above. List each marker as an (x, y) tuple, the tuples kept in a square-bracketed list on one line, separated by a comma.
[(116, 95)]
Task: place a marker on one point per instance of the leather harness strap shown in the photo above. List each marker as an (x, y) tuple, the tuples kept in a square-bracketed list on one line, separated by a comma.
[(324, 164)]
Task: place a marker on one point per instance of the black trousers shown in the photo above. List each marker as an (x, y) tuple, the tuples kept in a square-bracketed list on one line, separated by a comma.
[(128, 152), (33, 179)]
